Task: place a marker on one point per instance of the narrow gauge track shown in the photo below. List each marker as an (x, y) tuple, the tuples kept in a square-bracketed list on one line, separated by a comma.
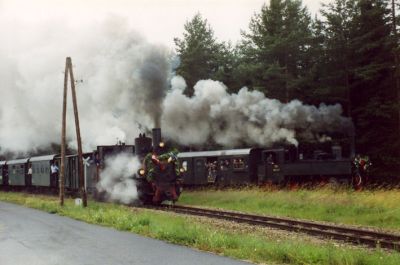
[(353, 235)]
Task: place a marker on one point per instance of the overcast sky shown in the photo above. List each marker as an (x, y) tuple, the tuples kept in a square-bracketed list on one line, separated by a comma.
[(157, 20)]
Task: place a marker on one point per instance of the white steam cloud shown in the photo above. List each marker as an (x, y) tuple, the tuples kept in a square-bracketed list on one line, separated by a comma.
[(247, 117), (116, 179), (124, 82)]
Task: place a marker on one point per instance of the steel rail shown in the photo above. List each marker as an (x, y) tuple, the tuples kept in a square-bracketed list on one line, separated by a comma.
[(353, 235)]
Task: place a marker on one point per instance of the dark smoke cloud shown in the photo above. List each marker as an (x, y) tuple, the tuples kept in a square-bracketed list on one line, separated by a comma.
[(154, 73)]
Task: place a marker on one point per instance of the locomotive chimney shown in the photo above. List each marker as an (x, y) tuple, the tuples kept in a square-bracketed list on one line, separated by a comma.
[(156, 137)]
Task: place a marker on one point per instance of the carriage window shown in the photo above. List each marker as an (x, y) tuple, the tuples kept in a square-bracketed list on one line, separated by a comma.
[(224, 164), (270, 158), (21, 166), (42, 170), (238, 163)]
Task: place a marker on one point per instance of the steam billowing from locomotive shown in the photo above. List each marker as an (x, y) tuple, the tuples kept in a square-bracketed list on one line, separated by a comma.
[(127, 88), (116, 179)]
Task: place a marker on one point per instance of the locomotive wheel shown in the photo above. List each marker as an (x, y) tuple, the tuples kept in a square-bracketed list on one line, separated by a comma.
[(357, 181)]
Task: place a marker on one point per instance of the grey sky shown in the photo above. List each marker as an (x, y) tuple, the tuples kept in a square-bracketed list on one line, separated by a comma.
[(158, 20)]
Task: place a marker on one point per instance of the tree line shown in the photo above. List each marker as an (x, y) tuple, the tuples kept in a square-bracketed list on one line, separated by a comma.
[(347, 54)]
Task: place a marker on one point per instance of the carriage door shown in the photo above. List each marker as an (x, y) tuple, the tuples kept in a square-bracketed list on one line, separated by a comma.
[(200, 172), (224, 171)]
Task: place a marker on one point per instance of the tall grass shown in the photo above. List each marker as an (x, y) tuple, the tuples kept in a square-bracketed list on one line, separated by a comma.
[(378, 208), (189, 231)]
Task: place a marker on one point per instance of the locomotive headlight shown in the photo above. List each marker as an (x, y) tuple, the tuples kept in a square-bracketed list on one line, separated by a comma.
[(141, 172), (182, 170), (161, 144)]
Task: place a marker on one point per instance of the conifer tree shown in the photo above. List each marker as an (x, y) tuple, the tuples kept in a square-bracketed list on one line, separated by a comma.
[(201, 56), (275, 50)]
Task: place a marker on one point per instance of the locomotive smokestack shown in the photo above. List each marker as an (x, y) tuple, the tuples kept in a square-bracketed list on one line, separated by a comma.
[(156, 137)]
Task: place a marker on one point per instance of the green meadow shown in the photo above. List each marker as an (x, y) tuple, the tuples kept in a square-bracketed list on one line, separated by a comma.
[(376, 208)]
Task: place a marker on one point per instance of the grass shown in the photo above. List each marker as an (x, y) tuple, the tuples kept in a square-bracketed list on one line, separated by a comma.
[(189, 231), (378, 208)]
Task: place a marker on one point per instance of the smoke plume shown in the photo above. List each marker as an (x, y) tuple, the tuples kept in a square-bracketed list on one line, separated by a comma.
[(121, 81), (247, 117), (116, 179)]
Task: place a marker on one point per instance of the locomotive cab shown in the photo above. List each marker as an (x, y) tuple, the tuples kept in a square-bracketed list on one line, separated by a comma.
[(270, 169)]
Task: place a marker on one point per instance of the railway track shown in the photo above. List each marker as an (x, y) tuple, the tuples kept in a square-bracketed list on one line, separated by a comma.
[(353, 235)]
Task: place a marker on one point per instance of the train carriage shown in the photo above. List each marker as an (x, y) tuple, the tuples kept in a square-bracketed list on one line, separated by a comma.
[(278, 166), (223, 167), (41, 173)]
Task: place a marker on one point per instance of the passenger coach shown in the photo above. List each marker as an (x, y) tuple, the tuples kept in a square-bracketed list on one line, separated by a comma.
[(224, 167)]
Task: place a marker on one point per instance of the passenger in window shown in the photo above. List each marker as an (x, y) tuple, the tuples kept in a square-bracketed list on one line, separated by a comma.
[(270, 159), (54, 174), (29, 178), (241, 163)]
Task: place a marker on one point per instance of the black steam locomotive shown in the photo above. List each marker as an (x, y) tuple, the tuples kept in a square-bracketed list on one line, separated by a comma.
[(158, 179)]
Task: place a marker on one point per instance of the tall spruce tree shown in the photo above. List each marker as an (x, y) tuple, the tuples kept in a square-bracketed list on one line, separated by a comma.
[(201, 56), (359, 67), (374, 92), (275, 50), (338, 25)]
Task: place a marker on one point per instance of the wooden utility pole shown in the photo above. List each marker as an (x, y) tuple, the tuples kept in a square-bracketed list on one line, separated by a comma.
[(68, 68), (78, 137), (64, 114)]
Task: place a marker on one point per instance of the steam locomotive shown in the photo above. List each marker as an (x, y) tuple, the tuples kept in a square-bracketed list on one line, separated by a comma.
[(158, 179)]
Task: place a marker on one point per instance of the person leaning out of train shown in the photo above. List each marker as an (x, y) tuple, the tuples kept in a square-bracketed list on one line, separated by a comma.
[(30, 171), (54, 173)]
